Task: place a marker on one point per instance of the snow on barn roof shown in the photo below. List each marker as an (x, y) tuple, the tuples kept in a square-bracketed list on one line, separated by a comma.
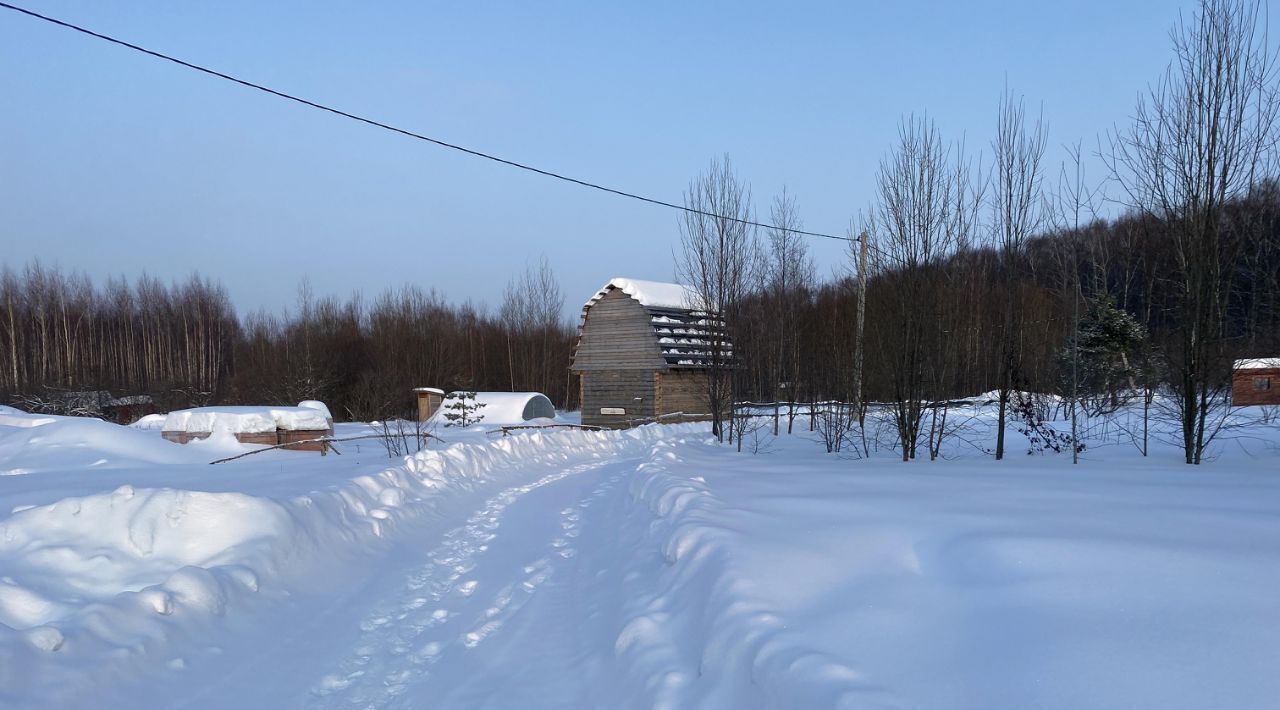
[(684, 330), (652, 294), (1258, 363)]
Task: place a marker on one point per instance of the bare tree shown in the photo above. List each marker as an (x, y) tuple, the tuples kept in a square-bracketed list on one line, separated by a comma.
[(532, 314), (718, 255), (925, 212), (1073, 205), (787, 276), (1201, 138), (1017, 215)]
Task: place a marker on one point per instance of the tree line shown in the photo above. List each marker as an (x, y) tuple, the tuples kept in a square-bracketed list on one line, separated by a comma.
[(184, 345)]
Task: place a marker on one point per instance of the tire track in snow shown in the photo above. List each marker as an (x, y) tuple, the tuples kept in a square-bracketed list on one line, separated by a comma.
[(545, 660), (408, 633)]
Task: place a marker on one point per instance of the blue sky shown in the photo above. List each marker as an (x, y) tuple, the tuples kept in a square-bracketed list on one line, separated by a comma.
[(115, 163)]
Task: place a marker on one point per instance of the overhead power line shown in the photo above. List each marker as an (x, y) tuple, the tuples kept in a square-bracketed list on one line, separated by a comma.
[(404, 132)]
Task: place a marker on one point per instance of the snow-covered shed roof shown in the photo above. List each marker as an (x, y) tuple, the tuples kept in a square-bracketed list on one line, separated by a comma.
[(500, 408), (652, 294), (1258, 363), (249, 420)]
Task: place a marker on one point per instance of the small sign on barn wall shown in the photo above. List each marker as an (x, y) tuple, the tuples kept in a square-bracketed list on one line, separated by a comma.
[(612, 410)]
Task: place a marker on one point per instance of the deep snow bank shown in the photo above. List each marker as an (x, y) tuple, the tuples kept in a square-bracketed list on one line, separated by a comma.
[(108, 581), (701, 636)]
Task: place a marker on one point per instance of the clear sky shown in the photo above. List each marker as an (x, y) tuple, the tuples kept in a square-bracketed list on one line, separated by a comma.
[(115, 163)]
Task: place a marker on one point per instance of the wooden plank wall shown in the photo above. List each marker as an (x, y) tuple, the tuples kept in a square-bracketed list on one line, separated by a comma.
[(617, 389), (683, 391), (617, 335)]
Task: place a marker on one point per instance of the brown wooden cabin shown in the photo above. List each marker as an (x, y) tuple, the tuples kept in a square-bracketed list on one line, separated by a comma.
[(642, 355), (1255, 382)]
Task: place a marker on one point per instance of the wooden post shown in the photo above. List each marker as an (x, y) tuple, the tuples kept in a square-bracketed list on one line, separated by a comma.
[(862, 312)]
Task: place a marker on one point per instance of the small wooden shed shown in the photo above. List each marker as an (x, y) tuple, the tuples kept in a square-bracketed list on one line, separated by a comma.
[(429, 399), (1255, 382), (642, 355)]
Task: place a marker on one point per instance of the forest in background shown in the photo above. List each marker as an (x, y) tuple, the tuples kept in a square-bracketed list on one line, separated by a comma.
[(184, 345)]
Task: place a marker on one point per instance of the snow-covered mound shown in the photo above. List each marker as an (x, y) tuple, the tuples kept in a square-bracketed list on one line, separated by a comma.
[(318, 406), (35, 443), (77, 551), (150, 422)]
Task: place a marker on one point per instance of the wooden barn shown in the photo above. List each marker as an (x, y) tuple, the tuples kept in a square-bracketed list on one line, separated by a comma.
[(642, 355), (1255, 382)]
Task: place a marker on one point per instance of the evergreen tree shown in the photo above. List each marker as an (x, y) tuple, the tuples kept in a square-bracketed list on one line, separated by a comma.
[(1103, 346), (463, 410)]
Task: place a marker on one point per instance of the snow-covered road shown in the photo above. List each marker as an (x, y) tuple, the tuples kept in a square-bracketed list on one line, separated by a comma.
[(487, 602), (491, 613)]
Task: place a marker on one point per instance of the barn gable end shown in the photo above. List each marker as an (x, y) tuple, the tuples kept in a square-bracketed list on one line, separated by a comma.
[(641, 354), (617, 335)]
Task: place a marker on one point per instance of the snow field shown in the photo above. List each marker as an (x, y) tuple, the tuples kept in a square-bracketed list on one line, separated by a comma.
[(1124, 583), (643, 569)]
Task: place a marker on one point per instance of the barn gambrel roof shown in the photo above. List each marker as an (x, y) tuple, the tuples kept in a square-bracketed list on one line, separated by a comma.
[(684, 333)]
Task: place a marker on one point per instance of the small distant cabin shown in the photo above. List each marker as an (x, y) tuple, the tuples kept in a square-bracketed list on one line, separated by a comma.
[(642, 354), (1255, 382), (129, 409), (100, 404)]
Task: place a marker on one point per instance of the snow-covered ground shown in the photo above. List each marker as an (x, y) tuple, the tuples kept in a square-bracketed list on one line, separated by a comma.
[(643, 569)]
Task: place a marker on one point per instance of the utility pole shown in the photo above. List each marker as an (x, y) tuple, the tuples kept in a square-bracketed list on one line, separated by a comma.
[(1075, 346), (862, 312)]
